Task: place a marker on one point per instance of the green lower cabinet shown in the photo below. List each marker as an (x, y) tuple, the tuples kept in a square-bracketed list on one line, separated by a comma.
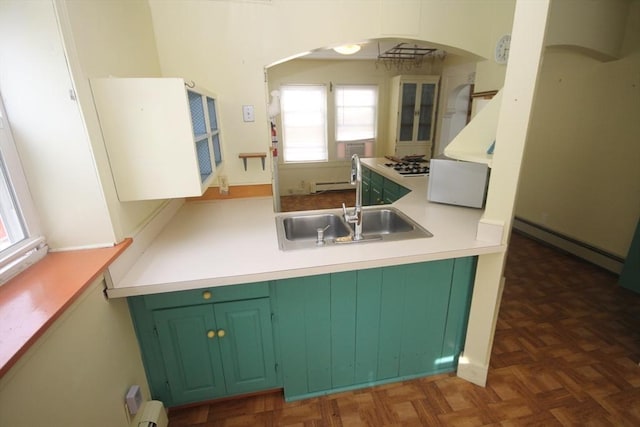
[(204, 351), (378, 190), (354, 329), (192, 360), (366, 191)]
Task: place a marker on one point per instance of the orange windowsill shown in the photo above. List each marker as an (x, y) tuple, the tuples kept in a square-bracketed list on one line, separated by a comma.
[(33, 300)]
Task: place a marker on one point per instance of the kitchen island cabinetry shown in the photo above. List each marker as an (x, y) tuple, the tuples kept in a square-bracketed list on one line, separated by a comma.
[(203, 344), (353, 329), (172, 130)]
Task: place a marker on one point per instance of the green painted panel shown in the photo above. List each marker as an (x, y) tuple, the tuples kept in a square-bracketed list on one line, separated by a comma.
[(369, 286), (376, 195), (458, 314), (192, 359), (391, 321), (425, 309), (247, 346), (352, 329), (305, 333), (151, 352), (343, 328), (366, 192), (377, 179), (317, 320), (389, 197), (290, 295)]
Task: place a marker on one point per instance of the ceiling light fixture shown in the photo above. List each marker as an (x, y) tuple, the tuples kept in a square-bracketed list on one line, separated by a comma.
[(348, 49)]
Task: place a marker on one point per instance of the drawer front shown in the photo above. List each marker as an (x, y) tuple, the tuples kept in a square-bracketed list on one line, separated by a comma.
[(207, 295)]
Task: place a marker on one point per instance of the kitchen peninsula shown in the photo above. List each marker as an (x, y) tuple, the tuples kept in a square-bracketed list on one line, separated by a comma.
[(220, 310), (217, 243)]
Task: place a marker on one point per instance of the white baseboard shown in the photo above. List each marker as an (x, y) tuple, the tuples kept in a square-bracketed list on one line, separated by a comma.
[(472, 372), (582, 250)]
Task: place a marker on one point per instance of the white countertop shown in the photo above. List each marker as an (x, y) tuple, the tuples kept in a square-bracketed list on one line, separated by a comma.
[(234, 241)]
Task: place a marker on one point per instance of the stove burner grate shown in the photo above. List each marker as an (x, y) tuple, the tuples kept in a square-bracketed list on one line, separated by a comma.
[(409, 168)]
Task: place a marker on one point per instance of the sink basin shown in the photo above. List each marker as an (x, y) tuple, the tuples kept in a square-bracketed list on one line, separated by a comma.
[(305, 227), (385, 221), (300, 230)]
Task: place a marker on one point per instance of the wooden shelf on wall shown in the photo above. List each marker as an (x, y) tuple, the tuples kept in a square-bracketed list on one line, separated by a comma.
[(245, 156)]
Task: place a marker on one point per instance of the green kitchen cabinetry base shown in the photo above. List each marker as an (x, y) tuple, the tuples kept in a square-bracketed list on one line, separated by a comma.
[(289, 398), (378, 190), (355, 329), (203, 344), (311, 335)]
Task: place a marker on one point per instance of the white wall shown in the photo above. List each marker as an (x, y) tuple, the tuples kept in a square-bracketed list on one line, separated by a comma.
[(79, 371), (580, 174), (109, 38), (224, 46), (48, 127), (47, 49)]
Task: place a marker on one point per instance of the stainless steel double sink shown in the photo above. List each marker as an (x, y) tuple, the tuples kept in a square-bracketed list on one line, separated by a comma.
[(300, 230)]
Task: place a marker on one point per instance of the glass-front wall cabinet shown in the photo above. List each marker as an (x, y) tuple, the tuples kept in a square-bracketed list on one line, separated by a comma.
[(413, 111)]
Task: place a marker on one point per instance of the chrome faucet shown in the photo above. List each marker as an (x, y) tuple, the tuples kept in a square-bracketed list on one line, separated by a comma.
[(356, 216)]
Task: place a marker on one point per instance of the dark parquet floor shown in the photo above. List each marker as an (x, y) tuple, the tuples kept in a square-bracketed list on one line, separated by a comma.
[(326, 200), (566, 353)]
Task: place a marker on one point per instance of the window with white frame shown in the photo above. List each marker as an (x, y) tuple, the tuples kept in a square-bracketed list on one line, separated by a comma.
[(356, 108), (21, 243), (304, 123)]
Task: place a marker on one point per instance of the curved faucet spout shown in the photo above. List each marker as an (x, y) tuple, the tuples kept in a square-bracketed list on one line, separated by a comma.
[(356, 179)]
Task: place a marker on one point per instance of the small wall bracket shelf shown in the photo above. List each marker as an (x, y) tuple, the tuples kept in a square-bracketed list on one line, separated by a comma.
[(245, 156)]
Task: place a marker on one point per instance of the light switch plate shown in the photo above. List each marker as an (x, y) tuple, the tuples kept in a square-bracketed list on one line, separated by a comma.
[(247, 113)]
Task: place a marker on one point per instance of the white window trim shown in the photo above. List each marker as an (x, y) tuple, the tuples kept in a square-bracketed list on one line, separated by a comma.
[(33, 248)]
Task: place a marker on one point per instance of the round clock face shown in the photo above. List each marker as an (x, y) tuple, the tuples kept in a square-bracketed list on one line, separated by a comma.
[(502, 49)]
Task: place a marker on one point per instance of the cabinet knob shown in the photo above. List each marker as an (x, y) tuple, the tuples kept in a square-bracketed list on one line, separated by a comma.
[(221, 333), (211, 334), (207, 295)]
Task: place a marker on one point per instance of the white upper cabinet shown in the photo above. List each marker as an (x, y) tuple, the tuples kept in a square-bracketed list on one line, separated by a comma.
[(162, 137), (413, 114)]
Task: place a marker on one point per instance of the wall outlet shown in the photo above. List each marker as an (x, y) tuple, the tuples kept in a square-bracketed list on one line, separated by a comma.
[(134, 399)]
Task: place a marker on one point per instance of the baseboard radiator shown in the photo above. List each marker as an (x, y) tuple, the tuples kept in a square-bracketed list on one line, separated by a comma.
[(575, 247), (318, 187)]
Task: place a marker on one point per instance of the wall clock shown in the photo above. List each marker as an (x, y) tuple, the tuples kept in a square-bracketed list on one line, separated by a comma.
[(502, 49)]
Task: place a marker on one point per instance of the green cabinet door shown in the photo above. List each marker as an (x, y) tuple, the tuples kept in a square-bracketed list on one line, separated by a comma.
[(191, 354), (247, 345)]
